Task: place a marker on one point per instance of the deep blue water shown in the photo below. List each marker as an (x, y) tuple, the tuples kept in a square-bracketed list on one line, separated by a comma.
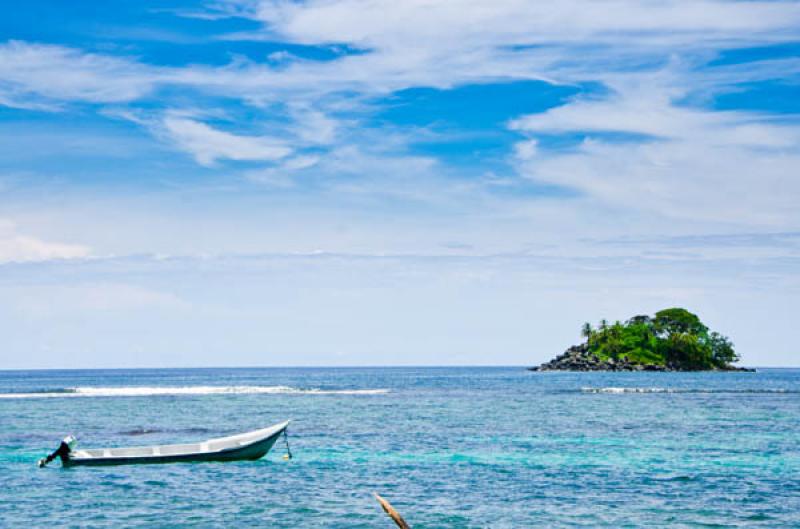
[(449, 447)]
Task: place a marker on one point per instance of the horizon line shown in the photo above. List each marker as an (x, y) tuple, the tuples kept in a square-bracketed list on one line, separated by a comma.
[(368, 366)]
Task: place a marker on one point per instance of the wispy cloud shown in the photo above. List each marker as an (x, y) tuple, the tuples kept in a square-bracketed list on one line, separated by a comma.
[(208, 144), (734, 167), (517, 22), (418, 44), (281, 175), (312, 126), (43, 74), (647, 104), (447, 43), (17, 247)]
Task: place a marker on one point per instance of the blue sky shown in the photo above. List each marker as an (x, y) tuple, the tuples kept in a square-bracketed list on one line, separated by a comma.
[(351, 182)]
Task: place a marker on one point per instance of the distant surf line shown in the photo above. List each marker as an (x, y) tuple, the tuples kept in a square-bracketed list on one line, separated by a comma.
[(622, 390), (151, 391)]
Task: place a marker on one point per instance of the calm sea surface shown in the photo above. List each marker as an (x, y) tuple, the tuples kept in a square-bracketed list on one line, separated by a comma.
[(449, 447)]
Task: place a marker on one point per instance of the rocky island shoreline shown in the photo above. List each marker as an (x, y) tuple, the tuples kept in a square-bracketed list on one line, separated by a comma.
[(578, 358), (673, 340)]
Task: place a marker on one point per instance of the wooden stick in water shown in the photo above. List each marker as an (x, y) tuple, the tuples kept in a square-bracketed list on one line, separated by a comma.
[(393, 514)]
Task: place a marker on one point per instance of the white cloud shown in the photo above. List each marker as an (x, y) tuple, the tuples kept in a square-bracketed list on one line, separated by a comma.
[(447, 43), (40, 74), (701, 182), (704, 165), (644, 104), (313, 126), (525, 150), (281, 175), (208, 144), (416, 43), (422, 23), (17, 247), (301, 162)]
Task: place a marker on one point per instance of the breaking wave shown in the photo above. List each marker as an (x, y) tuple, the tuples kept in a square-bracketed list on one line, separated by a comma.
[(766, 391), (144, 391)]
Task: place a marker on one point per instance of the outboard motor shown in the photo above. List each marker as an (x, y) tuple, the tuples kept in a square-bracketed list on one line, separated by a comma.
[(62, 451)]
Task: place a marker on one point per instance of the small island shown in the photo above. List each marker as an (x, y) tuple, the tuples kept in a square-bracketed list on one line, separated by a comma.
[(672, 340)]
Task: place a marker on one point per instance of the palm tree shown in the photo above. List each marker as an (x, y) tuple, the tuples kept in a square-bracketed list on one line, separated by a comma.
[(586, 332), (615, 340)]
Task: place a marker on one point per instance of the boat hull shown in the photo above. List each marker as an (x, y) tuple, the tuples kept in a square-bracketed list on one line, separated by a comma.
[(250, 451)]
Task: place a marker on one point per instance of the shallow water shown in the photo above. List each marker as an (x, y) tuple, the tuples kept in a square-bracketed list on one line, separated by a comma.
[(449, 447)]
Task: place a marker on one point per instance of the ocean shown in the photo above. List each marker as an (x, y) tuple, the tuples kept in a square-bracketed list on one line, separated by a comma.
[(449, 447)]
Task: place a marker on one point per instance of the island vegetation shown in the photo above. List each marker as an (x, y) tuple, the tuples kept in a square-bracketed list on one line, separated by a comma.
[(672, 340)]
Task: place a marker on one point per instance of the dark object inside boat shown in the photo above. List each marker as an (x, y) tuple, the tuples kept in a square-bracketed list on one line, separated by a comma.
[(62, 452)]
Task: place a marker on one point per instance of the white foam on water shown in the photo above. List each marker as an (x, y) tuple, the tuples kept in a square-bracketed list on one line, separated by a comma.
[(627, 390), (620, 390), (149, 391)]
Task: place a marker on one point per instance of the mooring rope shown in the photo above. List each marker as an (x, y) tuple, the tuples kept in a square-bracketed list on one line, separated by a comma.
[(286, 440)]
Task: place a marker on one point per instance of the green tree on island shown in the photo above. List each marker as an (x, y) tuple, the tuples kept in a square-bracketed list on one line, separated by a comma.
[(587, 331), (673, 337)]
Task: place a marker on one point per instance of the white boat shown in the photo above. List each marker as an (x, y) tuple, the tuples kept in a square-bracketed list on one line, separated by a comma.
[(244, 446)]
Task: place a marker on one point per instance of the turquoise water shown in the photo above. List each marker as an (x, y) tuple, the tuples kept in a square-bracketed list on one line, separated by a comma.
[(449, 447)]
